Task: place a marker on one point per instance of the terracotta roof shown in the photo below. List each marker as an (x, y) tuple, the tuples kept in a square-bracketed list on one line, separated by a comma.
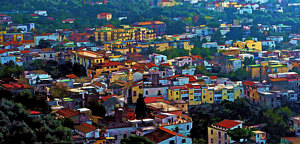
[(105, 98), (35, 112), (111, 63), (24, 51), (151, 65), (153, 99), (249, 83), (67, 112), (150, 22), (228, 123), (278, 79), (110, 26), (38, 72), (71, 76), (213, 77), (161, 116), (98, 84), (295, 140), (3, 51), (161, 134), (47, 49), (85, 127)]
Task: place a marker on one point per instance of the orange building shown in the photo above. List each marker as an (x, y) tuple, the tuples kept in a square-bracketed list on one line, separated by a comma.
[(104, 16)]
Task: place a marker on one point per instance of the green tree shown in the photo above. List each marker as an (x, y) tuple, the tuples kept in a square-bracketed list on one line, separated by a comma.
[(17, 126), (97, 108), (43, 44), (140, 109), (238, 134), (278, 123), (136, 140)]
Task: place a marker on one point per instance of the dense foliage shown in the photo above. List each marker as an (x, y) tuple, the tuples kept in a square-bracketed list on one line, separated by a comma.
[(56, 69), (17, 126), (136, 140), (276, 122)]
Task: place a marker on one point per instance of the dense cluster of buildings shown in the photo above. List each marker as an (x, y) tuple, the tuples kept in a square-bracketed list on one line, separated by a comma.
[(119, 70)]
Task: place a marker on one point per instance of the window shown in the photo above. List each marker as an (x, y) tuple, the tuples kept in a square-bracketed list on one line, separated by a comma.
[(203, 91), (210, 99), (211, 140), (134, 93), (219, 134), (187, 127), (219, 142), (183, 141), (159, 92), (176, 93), (172, 142), (146, 92), (204, 97), (225, 135), (212, 132), (125, 135), (182, 106)]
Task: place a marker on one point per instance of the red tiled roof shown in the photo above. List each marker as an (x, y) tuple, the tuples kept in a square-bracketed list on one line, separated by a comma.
[(213, 77), (47, 49), (24, 51), (151, 65), (278, 79), (110, 26), (35, 112), (111, 63), (249, 83), (3, 51), (161, 134), (150, 22), (85, 127), (67, 112), (153, 99), (107, 97), (228, 123), (161, 116), (294, 140), (71, 76)]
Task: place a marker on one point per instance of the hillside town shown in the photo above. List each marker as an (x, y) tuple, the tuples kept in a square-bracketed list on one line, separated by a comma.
[(118, 83)]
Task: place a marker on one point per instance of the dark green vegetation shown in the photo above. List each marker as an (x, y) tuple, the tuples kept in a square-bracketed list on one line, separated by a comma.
[(277, 122), (140, 109), (56, 69), (97, 108), (136, 140), (135, 10), (17, 126)]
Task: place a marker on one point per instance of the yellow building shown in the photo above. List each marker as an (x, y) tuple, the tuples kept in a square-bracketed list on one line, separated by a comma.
[(166, 45), (254, 70), (265, 68), (195, 92), (176, 92), (137, 89), (107, 34), (86, 58), (96, 70), (167, 3), (207, 95), (218, 133), (6, 37), (249, 45)]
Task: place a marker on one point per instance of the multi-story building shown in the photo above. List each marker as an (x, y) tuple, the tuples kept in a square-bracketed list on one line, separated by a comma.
[(5, 19), (86, 58), (218, 133), (108, 34), (158, 27), (105, 16), (249, 45)]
